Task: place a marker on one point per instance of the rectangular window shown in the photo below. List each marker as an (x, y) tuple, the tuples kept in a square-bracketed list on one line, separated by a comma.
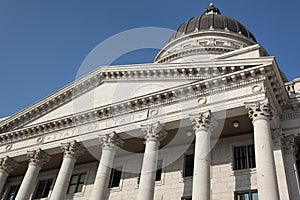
[(12, 193), (159, 170), (76, 183), (246, 195), (115, 177), (189, 165), (43, 189), (186, 198), (244, 157)]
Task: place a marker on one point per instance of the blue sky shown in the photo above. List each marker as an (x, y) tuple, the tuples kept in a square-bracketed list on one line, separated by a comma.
[(44, 42)]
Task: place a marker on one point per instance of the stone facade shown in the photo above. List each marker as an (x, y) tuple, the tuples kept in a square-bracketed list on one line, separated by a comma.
[(223, 125)]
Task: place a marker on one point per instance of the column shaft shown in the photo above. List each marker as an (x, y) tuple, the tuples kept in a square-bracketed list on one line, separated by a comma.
[(147, 180), (3, 177), (72, 150), (265, 167), (63, 178), (201, 178), (100, 188), (29, 182)]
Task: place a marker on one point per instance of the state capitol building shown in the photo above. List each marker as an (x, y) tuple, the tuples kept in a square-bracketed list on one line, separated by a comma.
[(213, 117)]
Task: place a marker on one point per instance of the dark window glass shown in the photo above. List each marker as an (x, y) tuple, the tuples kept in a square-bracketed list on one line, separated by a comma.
[(244, 157), (115, 178), (159, 170), (76, 183), (43, 189), (12, 193), (186, 198), (246, 195), (189, 165)]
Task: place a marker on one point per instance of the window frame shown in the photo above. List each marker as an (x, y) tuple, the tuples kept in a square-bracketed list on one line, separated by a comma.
[(185, 165), (50, 189), (120, 169), (84, 183), (250, 192), (9, 188), (250, 162)]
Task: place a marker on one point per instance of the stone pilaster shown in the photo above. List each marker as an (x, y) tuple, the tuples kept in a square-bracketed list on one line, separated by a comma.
[(154, 133), (72, 150), (37, 159), (7, 165), (201, 178), (110, 144), (290, 149), (260, 113)]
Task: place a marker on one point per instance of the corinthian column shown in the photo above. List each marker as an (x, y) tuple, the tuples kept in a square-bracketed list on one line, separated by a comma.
[(290, 150), (72, 150), (110, 144), (201, 177), (7, 165), (154, 133), (37, 159), (260, 113)]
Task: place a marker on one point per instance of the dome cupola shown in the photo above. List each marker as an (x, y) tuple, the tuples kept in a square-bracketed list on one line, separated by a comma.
[(210, 33)]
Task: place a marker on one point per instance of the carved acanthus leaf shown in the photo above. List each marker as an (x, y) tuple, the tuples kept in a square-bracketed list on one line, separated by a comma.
[(111, 140), (259, 109), (38, 157), (7, 164), (74, 149), (202, 120), (154, 131)]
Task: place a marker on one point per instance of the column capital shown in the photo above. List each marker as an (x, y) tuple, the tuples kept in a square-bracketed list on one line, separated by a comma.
[(7, 164), (72, 149), (111, 141), (259, 109), (202, 120), (289, 145), (38, 157), (154, 132)]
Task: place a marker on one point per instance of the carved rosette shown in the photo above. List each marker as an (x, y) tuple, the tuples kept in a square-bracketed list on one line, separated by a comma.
[(259, 109), (202, 120), (289, 145), (38, 157), (73, 149), (7, 164), (111, 141), (154, 132)]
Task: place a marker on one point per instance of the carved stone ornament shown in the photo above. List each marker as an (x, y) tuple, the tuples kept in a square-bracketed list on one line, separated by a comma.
[(38, 157), (7, 164), (202, 120), (74, 149), (111, 140), (289, 145), (259, 109), (154, 131)]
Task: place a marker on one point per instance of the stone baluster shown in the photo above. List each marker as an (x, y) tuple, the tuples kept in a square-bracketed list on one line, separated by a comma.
[(110, 144), (37, 159), (201, 178), (260, 113), (7, 165), (154, 133), (72, 150)]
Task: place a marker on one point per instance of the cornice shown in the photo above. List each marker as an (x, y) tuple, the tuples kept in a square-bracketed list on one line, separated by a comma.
[(211, 72), (169, 96)]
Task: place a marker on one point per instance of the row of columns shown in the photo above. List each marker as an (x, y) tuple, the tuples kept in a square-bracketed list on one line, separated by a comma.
[(259, 112)]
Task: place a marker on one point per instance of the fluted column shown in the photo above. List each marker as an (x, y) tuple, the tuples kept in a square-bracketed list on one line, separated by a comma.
[(290, 150), (154, 133), (37, 159), (72, 150), (260, 113), (7, 165), (110, 144), (202, 161)]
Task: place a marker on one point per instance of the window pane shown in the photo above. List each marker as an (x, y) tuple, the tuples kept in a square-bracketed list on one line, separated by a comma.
[(158, 171), (79, 188), (251, 156), (12, 193), (189, 165), (82, 178), (74, 179), (47, 188), (40, 189), (115, 178), (254, 196), (72, 189)]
